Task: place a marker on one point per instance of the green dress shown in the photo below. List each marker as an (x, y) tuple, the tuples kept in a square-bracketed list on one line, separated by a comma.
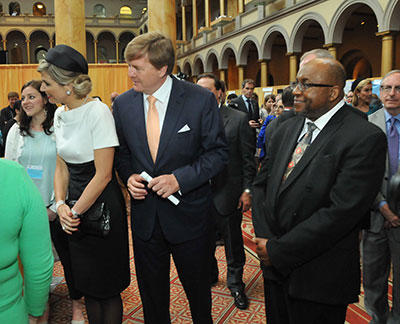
[(24, 231)]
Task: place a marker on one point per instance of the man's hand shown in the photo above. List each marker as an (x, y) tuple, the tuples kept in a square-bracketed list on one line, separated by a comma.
[(164, 185), (244, 201), (136, 187), (254, 124), (261, 250), (391, 217)]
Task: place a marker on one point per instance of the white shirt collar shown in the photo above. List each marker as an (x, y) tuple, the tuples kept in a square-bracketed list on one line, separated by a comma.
[(324, 119), (163, 92)]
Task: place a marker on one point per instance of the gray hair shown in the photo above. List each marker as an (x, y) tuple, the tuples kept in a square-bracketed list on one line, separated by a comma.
[(81, 83), (389, 74), (318, 52)]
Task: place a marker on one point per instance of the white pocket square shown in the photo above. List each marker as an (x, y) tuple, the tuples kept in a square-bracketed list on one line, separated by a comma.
[(184, 129)]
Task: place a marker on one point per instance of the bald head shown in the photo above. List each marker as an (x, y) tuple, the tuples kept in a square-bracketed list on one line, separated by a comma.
[(313, 54), (320, 87)]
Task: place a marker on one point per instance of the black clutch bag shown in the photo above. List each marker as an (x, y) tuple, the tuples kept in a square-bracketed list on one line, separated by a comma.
[(96, 220)]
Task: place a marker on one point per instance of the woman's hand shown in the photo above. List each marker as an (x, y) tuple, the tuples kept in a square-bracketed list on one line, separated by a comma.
[(68, 223)]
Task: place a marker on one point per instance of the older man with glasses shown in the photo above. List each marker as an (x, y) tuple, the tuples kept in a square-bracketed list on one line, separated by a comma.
[(321, 174), (381, 242)]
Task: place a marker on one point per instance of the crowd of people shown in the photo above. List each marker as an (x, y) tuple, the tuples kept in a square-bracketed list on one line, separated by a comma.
[(307, 163)]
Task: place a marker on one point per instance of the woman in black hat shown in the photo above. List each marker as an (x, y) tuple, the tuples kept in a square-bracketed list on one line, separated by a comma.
[(96, 265)]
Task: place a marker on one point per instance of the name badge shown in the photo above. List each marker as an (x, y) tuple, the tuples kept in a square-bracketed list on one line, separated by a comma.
[(35, 171)]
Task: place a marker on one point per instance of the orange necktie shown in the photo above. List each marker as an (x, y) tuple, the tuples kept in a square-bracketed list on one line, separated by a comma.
[(153, 127)]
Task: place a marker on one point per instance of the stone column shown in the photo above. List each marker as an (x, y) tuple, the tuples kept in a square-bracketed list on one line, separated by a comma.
[(183, 23), (207, 13), (221, 7), (4, 41), (240, 75), (240, 6), (162, 18), (332, 48), (51, 43), (95, 42), (194, 20), (387, 52), (116, 51), (292, 66), (264, 73), (222, 75), (28, 50), (69, 18)]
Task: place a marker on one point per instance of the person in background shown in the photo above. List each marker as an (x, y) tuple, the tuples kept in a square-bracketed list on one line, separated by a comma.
[(381, 241), (7, 114), (95, 266), (247, 104), (362, 95), (31, 143), (232, 193), (24, 232), (222, 95), (349, 97), (16, 119), (266, 107), (230, 97)]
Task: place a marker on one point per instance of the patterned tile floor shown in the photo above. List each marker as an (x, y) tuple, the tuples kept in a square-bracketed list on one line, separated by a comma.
[(223, 309)]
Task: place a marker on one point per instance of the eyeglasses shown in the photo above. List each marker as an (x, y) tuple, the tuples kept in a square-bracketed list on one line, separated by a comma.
[(388, 89), (305, 86)]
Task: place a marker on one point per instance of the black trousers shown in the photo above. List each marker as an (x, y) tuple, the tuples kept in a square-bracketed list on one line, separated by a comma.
[(192, 261), (280, 308), (229, 226)]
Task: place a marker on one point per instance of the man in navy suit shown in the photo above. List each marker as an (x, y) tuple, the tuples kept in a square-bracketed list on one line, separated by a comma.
[(172, 130)]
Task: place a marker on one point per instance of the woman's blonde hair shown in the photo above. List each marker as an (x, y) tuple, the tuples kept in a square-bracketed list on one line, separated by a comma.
[(81, 83)]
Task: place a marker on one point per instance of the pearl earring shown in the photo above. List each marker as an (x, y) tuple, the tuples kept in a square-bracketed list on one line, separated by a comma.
[(68, 92)]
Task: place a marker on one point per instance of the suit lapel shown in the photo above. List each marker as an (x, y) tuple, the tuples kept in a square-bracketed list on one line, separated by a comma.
[(172, 115), (225, 115), (324, 136), (286, 148), (138, 122)]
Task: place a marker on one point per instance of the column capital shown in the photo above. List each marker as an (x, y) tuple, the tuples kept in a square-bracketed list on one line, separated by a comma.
[(263, 60), (27, 41), (330, 45), (95, 41), (292, 54), (386, 33)]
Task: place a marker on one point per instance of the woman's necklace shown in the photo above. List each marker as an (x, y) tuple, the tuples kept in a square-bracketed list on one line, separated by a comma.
[(83, 102)]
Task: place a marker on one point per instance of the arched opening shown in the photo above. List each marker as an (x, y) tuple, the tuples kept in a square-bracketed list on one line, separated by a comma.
[(90, 47), (198, 67), (99, 11), (39, 44), (212, 64), (124, 39), (39, 9), (313, 36), (16, 46), (252, 66), (278, 65), (106, 48), (360, 51), (125, 11), (14, 8), (232, 80), (188, 71)]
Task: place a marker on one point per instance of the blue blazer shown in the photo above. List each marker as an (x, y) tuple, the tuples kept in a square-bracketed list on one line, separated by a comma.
[(193, 156)]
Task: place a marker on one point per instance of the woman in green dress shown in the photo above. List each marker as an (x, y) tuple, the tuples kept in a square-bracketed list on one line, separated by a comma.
[(24, 231)]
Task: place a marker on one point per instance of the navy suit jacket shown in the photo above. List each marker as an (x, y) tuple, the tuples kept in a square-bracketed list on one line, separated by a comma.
[(193, 156)]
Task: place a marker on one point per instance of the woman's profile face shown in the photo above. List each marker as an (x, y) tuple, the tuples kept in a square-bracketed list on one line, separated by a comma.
[(56, 93), (32, 101), (365, 94), (269, 103)]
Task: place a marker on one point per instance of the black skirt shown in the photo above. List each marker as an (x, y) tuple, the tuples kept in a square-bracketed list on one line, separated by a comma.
[(99, 266)]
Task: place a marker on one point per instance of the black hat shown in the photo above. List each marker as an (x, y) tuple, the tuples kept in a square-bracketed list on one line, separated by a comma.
[(355, 83), (67, 58)]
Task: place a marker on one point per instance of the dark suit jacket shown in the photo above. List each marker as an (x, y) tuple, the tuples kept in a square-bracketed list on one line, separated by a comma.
[(241, 169), (193, 156), (312, 220), (241, 105)]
